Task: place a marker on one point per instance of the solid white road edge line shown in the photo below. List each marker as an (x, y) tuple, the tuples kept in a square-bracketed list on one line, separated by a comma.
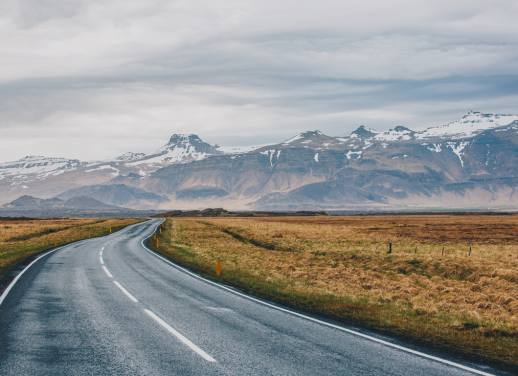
[(13, 282), (126, 292), (107, 272), (180, 336), (350, 331)]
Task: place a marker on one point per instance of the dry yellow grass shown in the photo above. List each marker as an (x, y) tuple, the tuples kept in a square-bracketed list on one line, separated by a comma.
[(430, 287), (22, 239)]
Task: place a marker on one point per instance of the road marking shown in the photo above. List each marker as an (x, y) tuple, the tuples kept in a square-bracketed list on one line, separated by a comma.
[(107, 272), (102, 249), (13, 282), (76, 243), (101, 258), (180, 336), (11, 285), (309, 318), (126, 292)]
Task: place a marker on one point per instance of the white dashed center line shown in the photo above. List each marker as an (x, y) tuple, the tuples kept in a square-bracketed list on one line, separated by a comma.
[(126, 292), (180, 336), (186, 341)]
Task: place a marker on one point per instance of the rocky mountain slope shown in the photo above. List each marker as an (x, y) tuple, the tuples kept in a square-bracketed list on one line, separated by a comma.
[(469, 163)]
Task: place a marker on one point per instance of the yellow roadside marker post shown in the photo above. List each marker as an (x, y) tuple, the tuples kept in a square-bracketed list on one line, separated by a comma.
[(218, 268)]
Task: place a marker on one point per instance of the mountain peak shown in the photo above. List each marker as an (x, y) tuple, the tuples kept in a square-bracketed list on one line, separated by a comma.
[(401, 129), (314, 133), (179, 138), (363, 132), (308, 138), (183, 148), (185, 141), (471, 124), (36, 166), (399, 133)]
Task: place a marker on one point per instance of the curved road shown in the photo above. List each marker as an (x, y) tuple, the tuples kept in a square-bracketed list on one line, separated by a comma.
[(108, 306)]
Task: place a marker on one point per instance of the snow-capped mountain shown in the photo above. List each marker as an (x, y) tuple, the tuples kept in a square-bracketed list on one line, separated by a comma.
[(470, 125), (472, 162), (468, 163), (35, 167), (181, 148)]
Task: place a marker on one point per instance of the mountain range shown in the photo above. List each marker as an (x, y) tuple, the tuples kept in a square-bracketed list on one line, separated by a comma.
[(468, 163)]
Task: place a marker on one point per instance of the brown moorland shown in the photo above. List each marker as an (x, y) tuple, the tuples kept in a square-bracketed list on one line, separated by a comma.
[(446, 280), (22, 239)]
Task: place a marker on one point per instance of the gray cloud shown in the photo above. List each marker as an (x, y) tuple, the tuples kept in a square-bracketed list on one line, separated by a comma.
[(91, 79)]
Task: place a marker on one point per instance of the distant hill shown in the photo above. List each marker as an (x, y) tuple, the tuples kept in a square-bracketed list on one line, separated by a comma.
[(79, 202), (29, 206), (116, 194)]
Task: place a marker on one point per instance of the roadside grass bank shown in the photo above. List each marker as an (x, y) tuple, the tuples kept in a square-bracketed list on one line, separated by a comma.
[(446, 281), (21, 240)]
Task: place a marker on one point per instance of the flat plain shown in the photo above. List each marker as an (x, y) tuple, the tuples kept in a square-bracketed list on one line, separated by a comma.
[(449, 281)]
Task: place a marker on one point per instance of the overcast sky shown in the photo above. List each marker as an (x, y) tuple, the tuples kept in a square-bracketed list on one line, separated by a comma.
[(91, 79)]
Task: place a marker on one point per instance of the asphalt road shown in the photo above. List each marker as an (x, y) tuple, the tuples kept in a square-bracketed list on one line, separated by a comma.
[(107, 306)]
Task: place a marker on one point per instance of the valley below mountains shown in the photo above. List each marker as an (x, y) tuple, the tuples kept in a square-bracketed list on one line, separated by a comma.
[(471, 163)]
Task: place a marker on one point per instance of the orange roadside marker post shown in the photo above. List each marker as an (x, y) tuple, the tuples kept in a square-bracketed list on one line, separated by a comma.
[(218, 268)]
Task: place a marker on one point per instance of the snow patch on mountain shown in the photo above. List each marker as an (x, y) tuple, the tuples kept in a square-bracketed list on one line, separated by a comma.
[(272, 154), (300, 136), (458, 149), (470, 125), (436, 148), (311, 139), (115, 171), (176, 155), (239, 149), (130, 156), (399, 133), (36, 167)]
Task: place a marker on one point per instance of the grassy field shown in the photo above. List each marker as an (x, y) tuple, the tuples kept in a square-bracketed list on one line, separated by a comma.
[(450, 281), (22, 239)]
